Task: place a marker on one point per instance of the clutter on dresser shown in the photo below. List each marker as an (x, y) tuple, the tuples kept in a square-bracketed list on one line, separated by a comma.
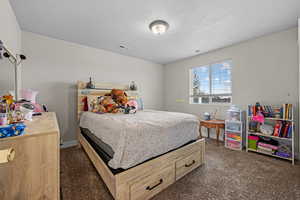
[(234, 128), (12, 130), (11, 120), (27, 109), (270, 130), (14, 113)]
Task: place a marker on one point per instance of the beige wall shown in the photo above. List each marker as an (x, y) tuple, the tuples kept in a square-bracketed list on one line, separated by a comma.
[(10, 34), (53, 67), (264, 69)]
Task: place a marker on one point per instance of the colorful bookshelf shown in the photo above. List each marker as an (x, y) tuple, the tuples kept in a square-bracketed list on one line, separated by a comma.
[(276, 137), (234, 128)]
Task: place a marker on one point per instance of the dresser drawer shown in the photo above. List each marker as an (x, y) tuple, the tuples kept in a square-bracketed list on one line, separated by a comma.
[(32, 172), (188, 164), (153, 184)]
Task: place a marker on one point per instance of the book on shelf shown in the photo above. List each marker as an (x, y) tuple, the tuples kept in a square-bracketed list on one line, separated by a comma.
[(283, 112), (286, 112), (277, 129), (285, 130), (282, 129)]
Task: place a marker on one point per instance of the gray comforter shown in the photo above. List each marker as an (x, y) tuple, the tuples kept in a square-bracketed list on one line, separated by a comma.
[(138, 137)]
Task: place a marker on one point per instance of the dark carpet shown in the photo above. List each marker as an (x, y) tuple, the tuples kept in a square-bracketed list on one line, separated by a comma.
[(227, 175)]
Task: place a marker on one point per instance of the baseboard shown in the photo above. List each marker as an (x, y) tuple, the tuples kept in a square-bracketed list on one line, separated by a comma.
[(67, 144)]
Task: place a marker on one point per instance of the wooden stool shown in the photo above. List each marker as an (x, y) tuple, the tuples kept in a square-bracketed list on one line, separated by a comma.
[(214, 123)]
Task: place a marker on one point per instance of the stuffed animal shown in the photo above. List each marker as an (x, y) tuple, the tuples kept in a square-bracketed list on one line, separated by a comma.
[(114, 102), (108, 105), (131, 107), (119, 96), (96, 108)]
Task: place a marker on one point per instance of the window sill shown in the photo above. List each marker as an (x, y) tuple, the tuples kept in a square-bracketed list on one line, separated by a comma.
[(212, 104)]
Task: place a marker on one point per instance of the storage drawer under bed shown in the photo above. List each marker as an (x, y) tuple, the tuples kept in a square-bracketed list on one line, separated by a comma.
[(186, 165), (153, 184)]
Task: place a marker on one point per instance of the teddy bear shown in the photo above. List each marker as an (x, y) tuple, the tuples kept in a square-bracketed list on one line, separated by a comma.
[(108, 105), (96, 106), (113, 102), (119, 96)]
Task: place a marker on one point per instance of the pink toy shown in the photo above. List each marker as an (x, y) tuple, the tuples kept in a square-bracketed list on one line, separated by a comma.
[(37, 107), (132, 103), (268, 146), (259, 118), (29, 95)]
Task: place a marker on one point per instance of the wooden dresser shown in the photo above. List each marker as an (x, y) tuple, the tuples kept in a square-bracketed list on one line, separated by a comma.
[(31, 169)]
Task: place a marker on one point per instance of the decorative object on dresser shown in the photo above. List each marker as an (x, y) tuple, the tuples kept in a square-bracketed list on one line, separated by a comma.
[(29, 164), (275, 135), (214, 123), (234, 128), (148, 178)]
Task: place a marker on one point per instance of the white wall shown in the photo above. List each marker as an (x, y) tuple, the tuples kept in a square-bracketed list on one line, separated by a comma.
[(264, 70), (299, 79), (54, 66), (10, 34)]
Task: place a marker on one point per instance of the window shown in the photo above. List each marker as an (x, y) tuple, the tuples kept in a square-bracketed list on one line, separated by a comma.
[(211, 83)]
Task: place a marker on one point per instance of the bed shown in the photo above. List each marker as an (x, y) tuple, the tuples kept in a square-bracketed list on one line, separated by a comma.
[(138, 155)]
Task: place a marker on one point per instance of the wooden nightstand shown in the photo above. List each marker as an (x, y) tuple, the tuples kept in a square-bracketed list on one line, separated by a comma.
[(215, 123), (32, 170)]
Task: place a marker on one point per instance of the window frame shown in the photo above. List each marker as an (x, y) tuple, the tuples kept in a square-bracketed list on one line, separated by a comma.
[(209, 65)]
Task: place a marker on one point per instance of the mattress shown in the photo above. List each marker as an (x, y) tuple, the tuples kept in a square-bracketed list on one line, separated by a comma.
[(103, 146), (135, 138)]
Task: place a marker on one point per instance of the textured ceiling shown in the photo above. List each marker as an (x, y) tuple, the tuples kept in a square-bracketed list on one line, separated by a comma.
[(202, 25)]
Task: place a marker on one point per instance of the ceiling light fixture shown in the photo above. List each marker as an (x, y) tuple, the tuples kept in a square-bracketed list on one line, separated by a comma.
[(159, 27)]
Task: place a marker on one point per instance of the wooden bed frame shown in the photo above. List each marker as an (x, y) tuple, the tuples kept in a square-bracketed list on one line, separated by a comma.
[(149, 178)]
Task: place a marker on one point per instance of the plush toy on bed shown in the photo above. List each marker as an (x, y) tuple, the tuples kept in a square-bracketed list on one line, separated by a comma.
[(119, 96), (131, 107), (114, 102), (108, 105)]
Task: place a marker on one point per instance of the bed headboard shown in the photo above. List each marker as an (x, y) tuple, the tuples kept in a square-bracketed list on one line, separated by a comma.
[(100, 89)]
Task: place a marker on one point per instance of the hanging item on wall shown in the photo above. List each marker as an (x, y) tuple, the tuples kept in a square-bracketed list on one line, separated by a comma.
[(90, 84), (133, 86)]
